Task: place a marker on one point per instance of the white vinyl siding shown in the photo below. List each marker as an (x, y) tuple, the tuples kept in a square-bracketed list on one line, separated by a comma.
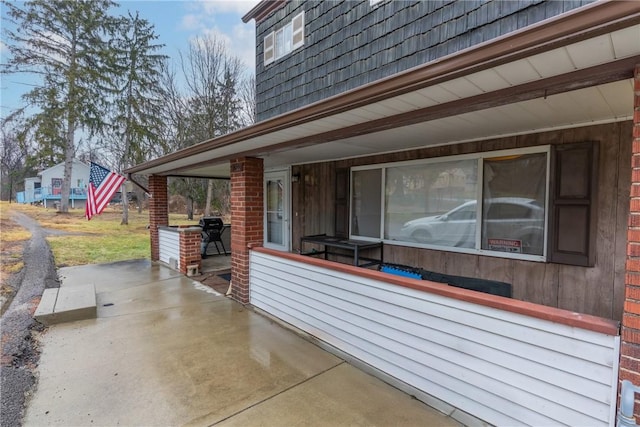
[(283, 41), (169, 246), (501, 367)]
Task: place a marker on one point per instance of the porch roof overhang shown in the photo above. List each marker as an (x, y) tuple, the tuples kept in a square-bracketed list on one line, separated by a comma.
[(572, 70)]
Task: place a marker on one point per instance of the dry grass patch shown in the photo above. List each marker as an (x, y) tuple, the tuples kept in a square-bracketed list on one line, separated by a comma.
[(12, 267), (10, 231), (12, 239)]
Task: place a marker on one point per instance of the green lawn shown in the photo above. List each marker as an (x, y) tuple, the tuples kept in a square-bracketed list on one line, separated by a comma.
[(100, 240)]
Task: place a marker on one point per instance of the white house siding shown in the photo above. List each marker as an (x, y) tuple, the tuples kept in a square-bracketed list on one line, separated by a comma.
[(502, 367), (79, 174), (29, 189), (169, 241)]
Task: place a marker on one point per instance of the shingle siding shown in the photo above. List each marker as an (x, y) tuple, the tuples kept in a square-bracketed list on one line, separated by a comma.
[(351, 43)]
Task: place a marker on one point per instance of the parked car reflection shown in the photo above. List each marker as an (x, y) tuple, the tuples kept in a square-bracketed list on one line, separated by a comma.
[(511, 224)]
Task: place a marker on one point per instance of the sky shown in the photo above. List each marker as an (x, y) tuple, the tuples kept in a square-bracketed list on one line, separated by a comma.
[(176, 23)]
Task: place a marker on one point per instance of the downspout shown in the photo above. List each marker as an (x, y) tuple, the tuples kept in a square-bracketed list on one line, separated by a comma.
[(627, 400)]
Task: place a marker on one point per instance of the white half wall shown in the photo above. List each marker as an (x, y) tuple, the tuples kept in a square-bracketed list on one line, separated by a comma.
[(500, 366), (169, 246)]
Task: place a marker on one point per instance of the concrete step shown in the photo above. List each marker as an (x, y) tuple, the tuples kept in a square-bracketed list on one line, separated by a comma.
[(67, 304)]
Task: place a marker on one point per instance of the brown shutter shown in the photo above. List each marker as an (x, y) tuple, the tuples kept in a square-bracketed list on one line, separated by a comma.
[(297, 31), (342, 203), (574, 180), (269, 52)]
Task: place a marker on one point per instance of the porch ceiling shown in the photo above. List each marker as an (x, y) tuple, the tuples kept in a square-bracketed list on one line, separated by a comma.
[(563, 84)]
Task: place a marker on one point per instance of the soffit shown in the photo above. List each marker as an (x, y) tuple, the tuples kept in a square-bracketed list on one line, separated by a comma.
[(597, 102)]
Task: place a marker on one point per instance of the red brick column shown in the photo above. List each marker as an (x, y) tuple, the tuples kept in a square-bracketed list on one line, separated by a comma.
[(630, 351), (158, 211), (190, 239), (246, 220)]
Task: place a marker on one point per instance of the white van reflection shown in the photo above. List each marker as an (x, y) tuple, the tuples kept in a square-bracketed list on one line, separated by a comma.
[(516, 219)]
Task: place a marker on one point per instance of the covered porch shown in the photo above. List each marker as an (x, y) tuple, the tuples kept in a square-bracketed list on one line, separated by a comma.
[(549, 355)]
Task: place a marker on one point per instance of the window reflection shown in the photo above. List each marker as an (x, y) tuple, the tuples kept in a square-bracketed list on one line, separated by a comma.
[(431, 203), (514, 192)]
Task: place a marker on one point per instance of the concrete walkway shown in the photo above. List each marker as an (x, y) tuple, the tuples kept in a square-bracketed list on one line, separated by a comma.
[(165, 350)]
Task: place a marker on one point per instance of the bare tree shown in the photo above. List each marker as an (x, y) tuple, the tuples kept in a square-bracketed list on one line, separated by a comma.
[(173, 112), (213, 79), (248, 101), (211, 104), (12, 157)]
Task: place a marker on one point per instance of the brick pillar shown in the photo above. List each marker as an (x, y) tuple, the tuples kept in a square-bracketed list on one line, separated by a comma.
[(158, 211), (190, 239), (246, 220), (630, 351)]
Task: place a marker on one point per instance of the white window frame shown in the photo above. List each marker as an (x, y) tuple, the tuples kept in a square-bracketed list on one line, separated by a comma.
[(479, 215), (271, 45), (285, 174)]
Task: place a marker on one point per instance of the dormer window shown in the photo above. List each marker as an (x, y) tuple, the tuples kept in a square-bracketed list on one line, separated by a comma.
[(284, 40)]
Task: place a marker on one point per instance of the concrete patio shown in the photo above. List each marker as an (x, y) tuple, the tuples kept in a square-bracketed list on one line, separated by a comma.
[(166, 350)]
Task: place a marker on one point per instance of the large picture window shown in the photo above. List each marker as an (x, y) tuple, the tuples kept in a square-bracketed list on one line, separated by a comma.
[(483, 203)]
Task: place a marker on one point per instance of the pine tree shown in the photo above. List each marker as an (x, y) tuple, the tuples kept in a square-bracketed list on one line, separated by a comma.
[(46, 128), (64, 43), (137, 125)]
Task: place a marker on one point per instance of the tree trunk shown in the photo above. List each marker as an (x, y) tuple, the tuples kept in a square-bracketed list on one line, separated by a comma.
[(69, 146), (207, 206), (125, 204), (69, 152), (190, 208), (139, 198)]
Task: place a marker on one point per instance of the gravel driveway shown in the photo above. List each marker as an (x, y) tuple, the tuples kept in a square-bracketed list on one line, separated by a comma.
[(19, 330)]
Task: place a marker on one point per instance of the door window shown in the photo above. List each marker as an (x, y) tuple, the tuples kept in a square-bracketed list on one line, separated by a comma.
[(276, 232)]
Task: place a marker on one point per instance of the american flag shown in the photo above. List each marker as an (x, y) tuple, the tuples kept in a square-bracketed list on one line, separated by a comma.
[(102, 185)]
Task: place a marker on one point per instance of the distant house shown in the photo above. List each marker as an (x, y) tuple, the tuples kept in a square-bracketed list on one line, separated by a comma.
[(46, 188)]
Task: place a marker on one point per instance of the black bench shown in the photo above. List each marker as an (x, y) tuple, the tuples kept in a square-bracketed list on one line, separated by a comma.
[(493, 287)]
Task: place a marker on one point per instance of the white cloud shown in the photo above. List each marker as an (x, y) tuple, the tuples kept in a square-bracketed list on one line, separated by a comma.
[(222, 20), (191, 22), (240, 42), (208, 12), (240, 7), (244, 44), (216, 34)]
